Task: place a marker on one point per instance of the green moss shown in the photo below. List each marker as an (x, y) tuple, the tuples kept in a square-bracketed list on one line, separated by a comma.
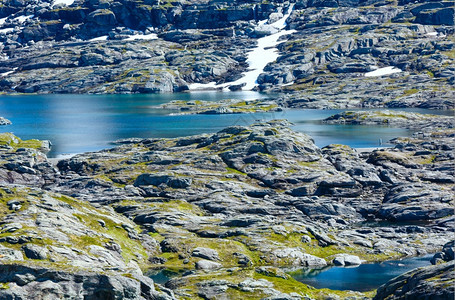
[(427, 160), (9, 139), (4, 285), (12, 194), (410, 92), (234, 293)]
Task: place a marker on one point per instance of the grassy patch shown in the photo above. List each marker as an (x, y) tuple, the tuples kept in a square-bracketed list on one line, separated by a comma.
[(9, 139)]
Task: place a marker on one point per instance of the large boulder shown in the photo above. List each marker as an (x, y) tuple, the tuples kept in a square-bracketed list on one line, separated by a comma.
[(432, 283), (41, 283)]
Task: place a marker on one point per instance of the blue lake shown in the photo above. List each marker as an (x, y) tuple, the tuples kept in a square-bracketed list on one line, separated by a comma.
[(365, 277), (80, 123)]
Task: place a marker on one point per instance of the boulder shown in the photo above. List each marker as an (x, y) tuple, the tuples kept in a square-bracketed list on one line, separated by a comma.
[(206, 253), (295, 257), (346, 260), (207, 265), (4, 121), (434, 282), (35, 251)]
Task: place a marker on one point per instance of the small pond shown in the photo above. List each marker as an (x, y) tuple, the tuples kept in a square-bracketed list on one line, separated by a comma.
[(365, 277)]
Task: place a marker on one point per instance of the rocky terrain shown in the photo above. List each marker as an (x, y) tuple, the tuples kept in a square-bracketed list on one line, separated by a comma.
[(424, 122), (220, 107), (124, 46), (435, 282), (221, 212)]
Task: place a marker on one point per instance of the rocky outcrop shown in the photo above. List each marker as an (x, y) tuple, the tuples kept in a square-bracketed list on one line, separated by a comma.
[(216, 203), (221, 107), (392, 118), (435, 282), (155, 47), (447, 254), (4, 121), (25, 282)]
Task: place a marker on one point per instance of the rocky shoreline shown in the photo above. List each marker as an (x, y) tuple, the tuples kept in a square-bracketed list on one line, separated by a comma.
[(227, 210), (221, 107), (152, 47)]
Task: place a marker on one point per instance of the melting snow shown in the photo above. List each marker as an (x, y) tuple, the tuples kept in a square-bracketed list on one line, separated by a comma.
[(7, 73), (383, 71), (100, 38), (202, 86), (22, 19), (66, 2), (2, 21), (6, 30), (264, 53), (151, 36), (281, 23), (435, 34), (259, 57)]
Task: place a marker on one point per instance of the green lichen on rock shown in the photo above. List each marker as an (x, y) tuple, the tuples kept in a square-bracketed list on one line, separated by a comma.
[(10, 140)]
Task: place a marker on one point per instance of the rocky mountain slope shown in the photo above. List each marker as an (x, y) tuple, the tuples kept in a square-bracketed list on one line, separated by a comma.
[(140, 46), (223, 210)]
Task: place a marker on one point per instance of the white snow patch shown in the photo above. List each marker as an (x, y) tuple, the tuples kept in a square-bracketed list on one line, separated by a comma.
[(7, 73), (22, 19), (262, 22), (435, 34), (264, 53), (66, 2), (202, 86), (288, 84), (6, 30), (100, 38), (3, 20), (281, 23), (259, 57), (383, 71), (151, 36)]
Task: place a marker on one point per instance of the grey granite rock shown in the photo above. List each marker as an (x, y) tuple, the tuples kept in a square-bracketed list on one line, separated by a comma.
[(430, 282)]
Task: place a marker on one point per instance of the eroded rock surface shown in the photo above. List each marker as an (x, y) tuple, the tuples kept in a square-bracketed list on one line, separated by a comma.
[(225, 205), (151, 46)]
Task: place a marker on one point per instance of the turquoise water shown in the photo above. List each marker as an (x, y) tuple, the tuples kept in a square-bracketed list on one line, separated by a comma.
[(363, 278), (80, 123)]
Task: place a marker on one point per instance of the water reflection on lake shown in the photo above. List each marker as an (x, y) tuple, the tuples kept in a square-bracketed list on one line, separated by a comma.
[(365, 277), (80, 123)]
